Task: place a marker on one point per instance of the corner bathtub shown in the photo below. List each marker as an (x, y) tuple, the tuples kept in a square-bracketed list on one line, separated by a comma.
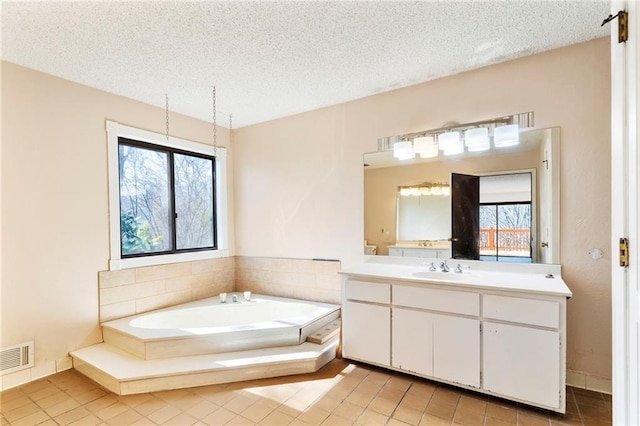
[(207, 326)]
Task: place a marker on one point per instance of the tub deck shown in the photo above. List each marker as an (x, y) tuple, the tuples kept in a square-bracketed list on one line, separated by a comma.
[(147, 358)]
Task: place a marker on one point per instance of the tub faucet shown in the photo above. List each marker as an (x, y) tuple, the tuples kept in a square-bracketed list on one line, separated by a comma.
[(444, 267), (234, 298)]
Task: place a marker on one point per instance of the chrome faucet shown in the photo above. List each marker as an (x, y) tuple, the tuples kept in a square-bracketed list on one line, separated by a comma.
[(432, 267), (458, 269), (444, 267), (234, 298)]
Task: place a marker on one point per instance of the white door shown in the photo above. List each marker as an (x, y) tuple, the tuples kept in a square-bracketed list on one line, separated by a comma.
[(522, 362), (366, 332), (625, 215), (456, 349), (412, 341)]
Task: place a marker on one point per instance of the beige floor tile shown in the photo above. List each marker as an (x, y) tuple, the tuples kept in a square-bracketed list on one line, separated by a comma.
[(135, 400), (259, 410), (92, 395), (468, 417), (335, 420), (164, 414), (100, 403), (473, 403), (408, 415), (430, 420), (359, 398), (112, 411), (392, 394), (150, 406), (240, 421), (53, 400), (327, 403), (314, 416), (415, 402), (501, 412), (202, 409), (396, 422), (90, 420), (445, 396), (17, 400), (219, 417), (72, 416), (182, 419), (32, 419), (443, 411), (44, 392), (22, 411), (349, 411), (399, 382), (372, 418), (489, 421), (277, 418), (241, 403), (127, 417), (526, 419), (422, 388), (383, 406)]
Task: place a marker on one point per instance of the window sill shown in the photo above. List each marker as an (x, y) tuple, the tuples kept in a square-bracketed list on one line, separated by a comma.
[(137, 262)]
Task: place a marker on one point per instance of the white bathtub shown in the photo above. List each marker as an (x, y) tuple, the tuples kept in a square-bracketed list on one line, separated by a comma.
[(208, 326)]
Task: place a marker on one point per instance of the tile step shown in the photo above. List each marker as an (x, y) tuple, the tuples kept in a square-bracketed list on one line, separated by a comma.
[(124, 374)]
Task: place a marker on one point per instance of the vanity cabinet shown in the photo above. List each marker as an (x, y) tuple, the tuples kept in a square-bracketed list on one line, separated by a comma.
[(503, 342), (367, 311), (433, 253), (526, 348)]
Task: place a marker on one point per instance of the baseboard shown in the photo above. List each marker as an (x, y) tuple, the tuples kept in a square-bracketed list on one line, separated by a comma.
[(585, 381), (12, 380)]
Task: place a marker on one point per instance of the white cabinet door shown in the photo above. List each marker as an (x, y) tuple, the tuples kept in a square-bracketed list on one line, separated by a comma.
[(366, 332), (522, 362), (456, 349), (412, 341)]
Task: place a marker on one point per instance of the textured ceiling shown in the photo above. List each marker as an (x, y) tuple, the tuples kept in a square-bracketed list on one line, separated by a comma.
[(273, 59)]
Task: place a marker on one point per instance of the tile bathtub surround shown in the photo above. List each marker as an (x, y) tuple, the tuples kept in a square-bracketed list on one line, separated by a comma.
[(341, 393), (316, 280), (132, 291)]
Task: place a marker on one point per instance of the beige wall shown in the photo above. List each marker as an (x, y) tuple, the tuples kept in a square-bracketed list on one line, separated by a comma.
[(381, 187), (55, 235), (299, 180)]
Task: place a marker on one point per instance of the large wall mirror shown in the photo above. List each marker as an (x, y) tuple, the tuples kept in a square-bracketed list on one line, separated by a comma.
[(412, 207)]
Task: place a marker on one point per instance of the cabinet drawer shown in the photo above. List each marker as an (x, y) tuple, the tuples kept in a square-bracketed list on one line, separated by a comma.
[(367, 292), (456, 302), (543, 313)]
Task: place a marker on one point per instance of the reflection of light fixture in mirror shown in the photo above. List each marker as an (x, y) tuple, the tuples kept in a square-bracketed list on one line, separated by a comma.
[(415, 191), (436, 190), (425, 146), (405, 191), (477, 139), (403, 150), (448, 141), (425, 190), (504, 136), (446, 190)]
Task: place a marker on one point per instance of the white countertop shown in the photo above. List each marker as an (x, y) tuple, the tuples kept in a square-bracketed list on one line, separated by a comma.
[(478, 275)]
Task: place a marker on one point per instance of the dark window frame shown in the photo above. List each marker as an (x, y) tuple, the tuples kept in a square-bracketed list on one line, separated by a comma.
[(170, 151)]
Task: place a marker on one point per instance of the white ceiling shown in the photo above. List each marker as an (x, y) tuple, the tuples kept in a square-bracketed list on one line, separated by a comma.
[(273, 59)]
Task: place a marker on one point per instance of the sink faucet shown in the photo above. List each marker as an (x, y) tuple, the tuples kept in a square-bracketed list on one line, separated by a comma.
[(432, 267), (444, 267), (458, 269)]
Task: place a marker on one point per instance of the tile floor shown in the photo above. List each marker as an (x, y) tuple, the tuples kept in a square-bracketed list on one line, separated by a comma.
[(342, 393)]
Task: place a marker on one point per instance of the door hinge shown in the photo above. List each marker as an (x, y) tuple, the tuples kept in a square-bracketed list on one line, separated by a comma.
[(623, 25), (624, 252)]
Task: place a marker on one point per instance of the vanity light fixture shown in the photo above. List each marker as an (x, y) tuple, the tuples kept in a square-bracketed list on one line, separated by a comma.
[(427, 188), (425, 146), (477, 139), (504, 136), (452, 139), (403, 150)]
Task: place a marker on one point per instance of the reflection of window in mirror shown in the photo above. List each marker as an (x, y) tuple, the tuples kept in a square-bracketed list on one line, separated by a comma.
[(505, 218)]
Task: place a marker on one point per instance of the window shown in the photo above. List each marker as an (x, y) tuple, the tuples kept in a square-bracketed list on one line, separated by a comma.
[(167, 199)]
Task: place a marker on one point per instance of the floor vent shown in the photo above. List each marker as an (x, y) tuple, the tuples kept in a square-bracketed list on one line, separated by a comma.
[(17, 357)]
